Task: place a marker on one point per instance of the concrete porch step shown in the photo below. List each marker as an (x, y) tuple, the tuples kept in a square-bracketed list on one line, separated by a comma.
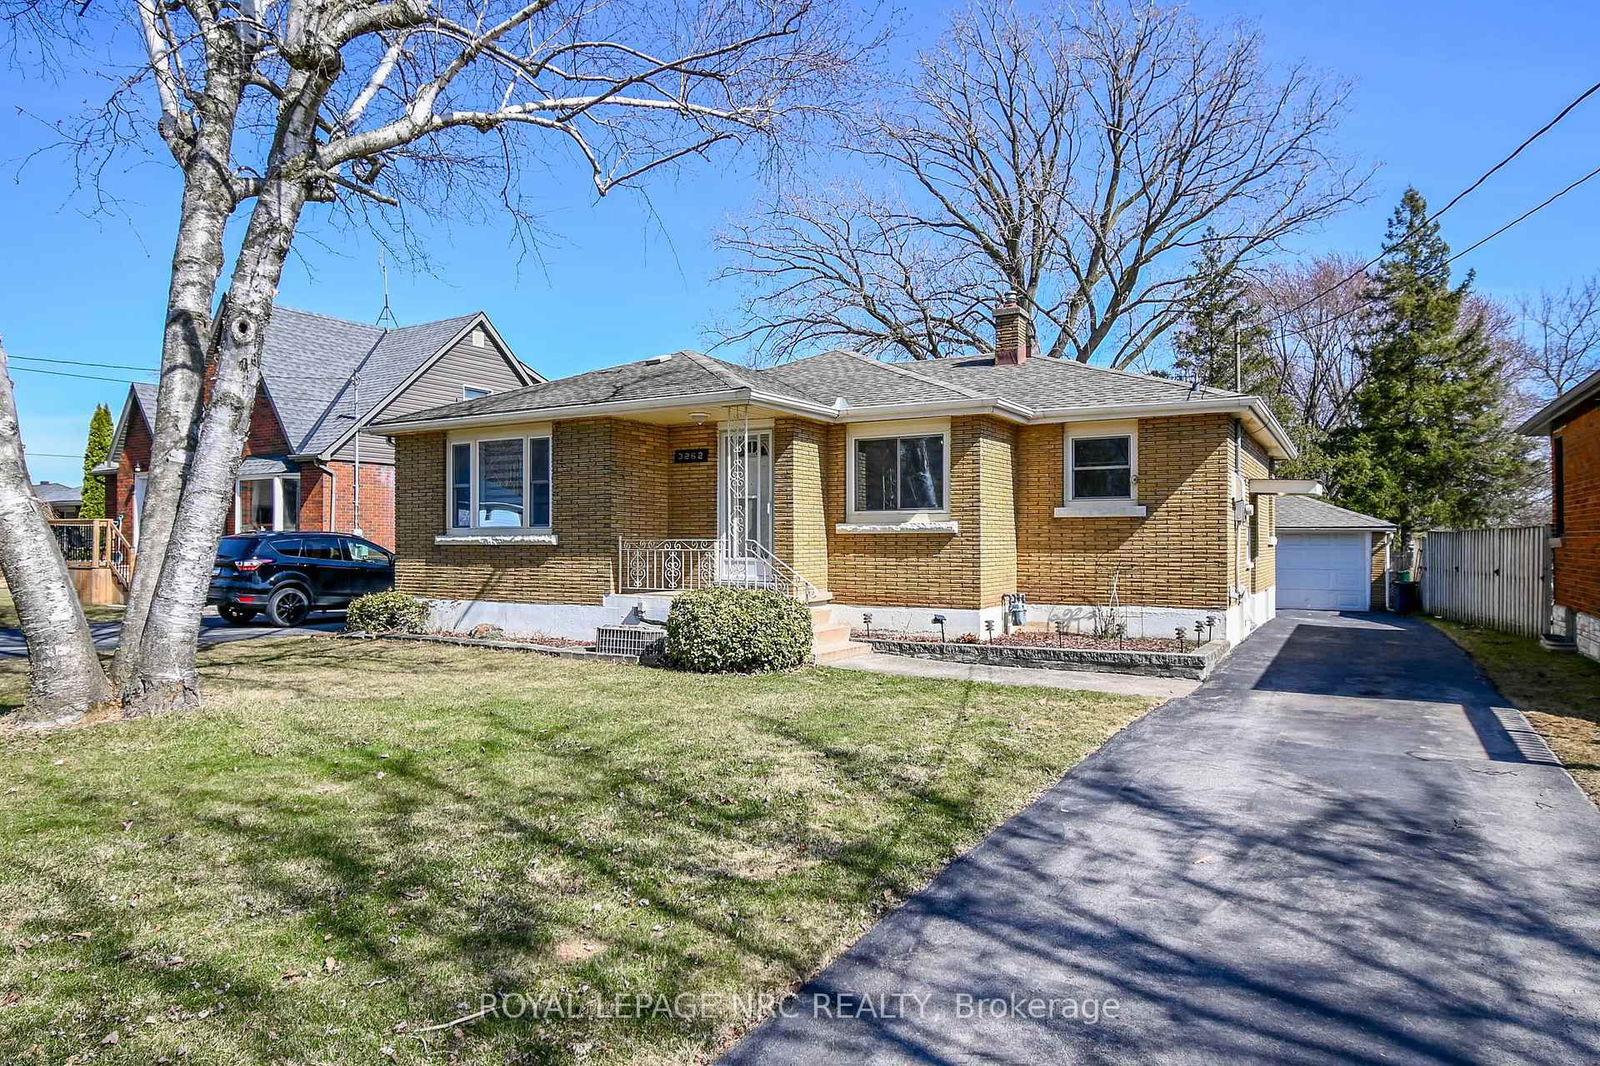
[(834, 653)]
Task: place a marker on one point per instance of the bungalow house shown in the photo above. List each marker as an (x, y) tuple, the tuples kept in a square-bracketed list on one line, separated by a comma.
[(1572, 422), (309, 461), (954, 487), (59, 501), (1331, 558)]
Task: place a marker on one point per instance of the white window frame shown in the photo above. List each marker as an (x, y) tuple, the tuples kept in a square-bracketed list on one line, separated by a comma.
[(862, 521), (481, 390), (476, 534), (1100, 506), (277, 500)]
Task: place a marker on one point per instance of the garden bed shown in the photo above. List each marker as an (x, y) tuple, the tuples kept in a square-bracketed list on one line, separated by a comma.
[(1164, 660), (1030, 638)]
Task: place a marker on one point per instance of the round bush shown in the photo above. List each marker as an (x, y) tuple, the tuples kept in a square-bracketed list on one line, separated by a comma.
[(386, 612), (719, 630)]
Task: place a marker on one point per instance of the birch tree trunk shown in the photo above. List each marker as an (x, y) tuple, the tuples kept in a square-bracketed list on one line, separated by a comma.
[(165, 675), (197, 261), (65, 678)]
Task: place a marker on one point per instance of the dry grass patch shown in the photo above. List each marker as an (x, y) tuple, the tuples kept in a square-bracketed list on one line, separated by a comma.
[(357, 841), (1560, 694)]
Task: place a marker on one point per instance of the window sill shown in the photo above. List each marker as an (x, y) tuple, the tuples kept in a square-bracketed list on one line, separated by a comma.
[(897, 527), (1102, 509), (497, 538)]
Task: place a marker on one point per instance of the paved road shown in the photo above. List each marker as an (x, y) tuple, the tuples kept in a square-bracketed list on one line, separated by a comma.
[(1343, 848), (213, 630)]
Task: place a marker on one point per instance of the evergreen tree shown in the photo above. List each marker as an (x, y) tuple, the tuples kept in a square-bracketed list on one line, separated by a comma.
[(1430, 444), (95, 453), (1219, 318)]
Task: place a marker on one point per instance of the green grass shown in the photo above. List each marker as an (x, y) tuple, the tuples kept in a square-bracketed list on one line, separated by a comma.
[(1560, 694), (9, 619), (445, 822)]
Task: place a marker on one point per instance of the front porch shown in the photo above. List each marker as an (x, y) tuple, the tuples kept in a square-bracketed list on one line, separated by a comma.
[(99, 558)]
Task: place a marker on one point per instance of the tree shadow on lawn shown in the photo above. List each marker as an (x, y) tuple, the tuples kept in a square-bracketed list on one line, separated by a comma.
[(438, 852)]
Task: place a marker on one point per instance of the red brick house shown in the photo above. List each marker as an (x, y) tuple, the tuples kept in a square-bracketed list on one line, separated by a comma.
[(309, 462), (1572, 421)]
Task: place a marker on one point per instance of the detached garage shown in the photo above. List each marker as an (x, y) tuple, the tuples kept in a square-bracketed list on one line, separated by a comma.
[(1330, 558)]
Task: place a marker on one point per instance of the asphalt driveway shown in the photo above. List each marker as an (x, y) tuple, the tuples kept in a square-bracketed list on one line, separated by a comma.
[(1343, 848)]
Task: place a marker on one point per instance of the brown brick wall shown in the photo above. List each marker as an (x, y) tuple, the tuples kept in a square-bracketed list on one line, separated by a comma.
[(799, 527), (136, 444), (609, 480), (1577, 560), (1175, 556)]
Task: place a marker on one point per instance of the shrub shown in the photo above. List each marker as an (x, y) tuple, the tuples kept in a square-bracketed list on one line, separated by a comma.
[(719, 630), (386, 612)]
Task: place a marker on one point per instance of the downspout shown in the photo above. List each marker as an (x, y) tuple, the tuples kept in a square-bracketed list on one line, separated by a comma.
[(355, 413)]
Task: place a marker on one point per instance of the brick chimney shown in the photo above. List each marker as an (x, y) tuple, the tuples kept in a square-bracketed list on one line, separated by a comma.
[(1013, 332)]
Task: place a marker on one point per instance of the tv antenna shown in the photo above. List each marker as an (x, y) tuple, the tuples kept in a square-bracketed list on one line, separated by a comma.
[(386, 316)]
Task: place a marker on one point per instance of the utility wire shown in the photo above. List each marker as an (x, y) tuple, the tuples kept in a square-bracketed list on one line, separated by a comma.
[(1457, 198), (1525, 215), (68, 374), (81, 362)]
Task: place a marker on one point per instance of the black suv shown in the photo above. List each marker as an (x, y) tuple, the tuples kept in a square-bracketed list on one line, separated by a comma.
[(289, 575)]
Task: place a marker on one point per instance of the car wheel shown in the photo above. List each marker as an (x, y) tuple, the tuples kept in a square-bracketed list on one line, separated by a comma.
[(289, 606), (236, 615)]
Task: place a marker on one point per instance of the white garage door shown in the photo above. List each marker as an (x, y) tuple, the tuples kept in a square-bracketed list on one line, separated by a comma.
[(1324, 571)]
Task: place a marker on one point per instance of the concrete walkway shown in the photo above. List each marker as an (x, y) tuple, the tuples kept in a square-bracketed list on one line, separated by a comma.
[(1343, 848), (1094, 681)]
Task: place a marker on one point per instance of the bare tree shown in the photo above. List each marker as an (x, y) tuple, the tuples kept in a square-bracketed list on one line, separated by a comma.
[(1315, 311), (1562, 333), (66, 679), (1074, 157), (271, 106)]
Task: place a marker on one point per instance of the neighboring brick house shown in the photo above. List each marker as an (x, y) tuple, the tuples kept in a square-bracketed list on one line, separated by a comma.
[(906, 490), (309, 461), (1572, 422)]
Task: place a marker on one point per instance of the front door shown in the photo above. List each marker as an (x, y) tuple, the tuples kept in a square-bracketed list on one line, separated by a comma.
[(744, 510)]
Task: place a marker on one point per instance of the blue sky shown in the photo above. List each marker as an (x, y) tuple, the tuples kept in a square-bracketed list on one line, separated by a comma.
[(1441, 91)]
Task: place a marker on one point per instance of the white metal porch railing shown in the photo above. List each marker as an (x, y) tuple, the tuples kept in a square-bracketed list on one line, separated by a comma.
[(682, 563)]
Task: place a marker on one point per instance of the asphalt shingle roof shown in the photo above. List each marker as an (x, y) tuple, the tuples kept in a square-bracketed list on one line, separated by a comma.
[(1308, 512), (1039, 384), (54, 492)]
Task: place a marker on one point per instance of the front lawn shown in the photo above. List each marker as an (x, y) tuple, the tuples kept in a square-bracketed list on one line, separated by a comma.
[(357, 842), (1560, 694), (9, 619)]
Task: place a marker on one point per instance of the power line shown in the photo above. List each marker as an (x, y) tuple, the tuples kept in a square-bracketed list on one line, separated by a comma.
[(1457, 198), (68, 374), (1474, 246), (81, 362)]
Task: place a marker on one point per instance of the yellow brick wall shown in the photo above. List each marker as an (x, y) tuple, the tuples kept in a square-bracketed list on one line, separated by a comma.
[(609, 480), (973, 568), (1254, 464), (996, 522), (1177, 555), (1378, 597), (692, 487), (799, 528)]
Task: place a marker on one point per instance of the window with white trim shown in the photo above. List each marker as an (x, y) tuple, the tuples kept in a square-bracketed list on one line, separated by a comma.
[(900, 474), (500, 483), (1100, 468), (473, 392)]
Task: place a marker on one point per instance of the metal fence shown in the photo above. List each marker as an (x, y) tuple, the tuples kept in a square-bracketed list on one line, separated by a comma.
[(1498, 578)]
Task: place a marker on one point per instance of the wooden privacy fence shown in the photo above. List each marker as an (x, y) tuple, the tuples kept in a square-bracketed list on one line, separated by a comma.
[(1499, 577)]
